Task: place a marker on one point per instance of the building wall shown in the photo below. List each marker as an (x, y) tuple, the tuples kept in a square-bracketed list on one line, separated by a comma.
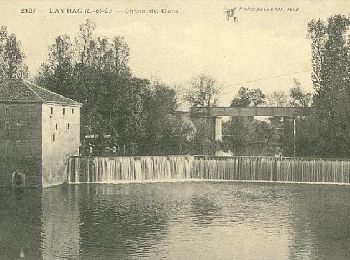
[(59, 141), (20, 143)]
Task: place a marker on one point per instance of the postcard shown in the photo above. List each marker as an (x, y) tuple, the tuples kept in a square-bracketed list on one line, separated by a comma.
[(160, 129)]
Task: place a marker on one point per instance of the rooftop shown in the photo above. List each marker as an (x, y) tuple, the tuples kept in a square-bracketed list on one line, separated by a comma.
[(22, 91)]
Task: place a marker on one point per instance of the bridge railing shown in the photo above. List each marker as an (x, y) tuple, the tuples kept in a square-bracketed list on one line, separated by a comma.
[(249, 111)]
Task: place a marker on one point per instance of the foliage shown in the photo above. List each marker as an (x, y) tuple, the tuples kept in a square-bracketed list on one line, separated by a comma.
[(166, 130), (248, 97), (247, 136), (331, 80), (204, 142), (11, 56), (298, 98), (178, 134), (94, 71), (204, 91), (278, 99)]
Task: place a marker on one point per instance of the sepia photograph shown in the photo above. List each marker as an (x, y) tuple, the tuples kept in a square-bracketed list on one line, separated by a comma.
[(173, 129)]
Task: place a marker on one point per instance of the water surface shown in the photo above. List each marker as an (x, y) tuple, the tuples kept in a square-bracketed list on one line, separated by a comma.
[(193, 220)]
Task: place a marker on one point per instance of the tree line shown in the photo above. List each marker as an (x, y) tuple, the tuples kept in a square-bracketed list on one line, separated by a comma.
[(143, 115)]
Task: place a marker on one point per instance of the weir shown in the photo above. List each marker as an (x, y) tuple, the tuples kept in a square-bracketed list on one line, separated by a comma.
[(137, 169), (187, 168)]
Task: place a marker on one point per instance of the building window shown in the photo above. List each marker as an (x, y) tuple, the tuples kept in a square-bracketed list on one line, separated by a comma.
[(51, 110), (53, 138), (56, 126), (72, 110), (6, 110), (68, 126), (64, 111)]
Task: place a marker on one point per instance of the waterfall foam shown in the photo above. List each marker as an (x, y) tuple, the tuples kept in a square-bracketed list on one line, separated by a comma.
[(129, 169), (187, 168)]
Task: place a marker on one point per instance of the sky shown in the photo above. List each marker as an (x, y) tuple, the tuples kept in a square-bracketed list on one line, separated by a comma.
[(256, 47)]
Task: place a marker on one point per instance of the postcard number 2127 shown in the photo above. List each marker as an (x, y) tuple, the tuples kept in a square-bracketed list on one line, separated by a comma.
[(27, 10)]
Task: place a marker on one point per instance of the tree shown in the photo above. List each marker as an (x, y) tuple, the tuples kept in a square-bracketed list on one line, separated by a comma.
[(83, 52), (11, 56), (203, 142), (278, 99), (248, 97), (298, 97), (85, 43), (246, 135), (203, 92), (178, 133), (167, 130), (285, 138), (121, 56), (331, 80), (94, 71)]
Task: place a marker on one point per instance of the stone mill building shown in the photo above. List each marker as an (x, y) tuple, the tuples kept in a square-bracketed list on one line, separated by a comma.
[(39, 131)]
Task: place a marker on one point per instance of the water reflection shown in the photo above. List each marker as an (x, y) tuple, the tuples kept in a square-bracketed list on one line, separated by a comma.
[(119, 221), (321, 223), (20, 223), (204, 209), (176, 221), (60, 222)]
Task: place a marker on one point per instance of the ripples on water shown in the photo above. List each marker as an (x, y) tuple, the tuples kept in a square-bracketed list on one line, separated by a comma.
[(201, 220)]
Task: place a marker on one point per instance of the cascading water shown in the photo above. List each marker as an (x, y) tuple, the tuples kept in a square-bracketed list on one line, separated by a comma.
[(137, 169), (186, 168), (272, 169)]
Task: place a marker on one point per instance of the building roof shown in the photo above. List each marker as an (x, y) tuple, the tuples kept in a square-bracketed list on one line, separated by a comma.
[(22, 91)]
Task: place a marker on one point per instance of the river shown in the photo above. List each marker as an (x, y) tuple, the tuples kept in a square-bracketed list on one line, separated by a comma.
[(177, 220)]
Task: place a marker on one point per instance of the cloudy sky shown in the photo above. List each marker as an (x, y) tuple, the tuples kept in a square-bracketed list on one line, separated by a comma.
[(257, 48)]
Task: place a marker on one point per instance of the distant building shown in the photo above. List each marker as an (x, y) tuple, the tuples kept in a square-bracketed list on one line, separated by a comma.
[(39, 131)]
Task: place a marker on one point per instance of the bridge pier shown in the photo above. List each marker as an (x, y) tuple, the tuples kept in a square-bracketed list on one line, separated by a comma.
[(215, 114), (217, 129)]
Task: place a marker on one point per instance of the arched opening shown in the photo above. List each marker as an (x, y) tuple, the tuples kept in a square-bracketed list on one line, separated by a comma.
[(18, 179)]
